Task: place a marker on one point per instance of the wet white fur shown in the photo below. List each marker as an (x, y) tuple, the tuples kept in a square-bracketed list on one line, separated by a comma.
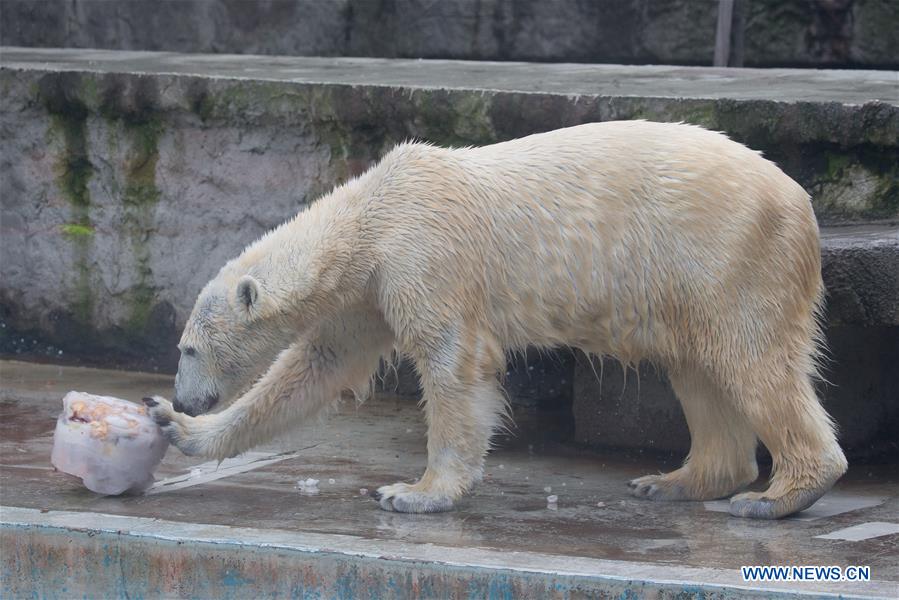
[(631, 239)]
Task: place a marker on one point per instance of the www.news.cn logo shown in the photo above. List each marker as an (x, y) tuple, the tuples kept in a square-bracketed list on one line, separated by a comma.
[(806, 573)]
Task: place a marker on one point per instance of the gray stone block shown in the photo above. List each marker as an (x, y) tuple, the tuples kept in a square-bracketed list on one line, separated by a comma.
[(860, 266)]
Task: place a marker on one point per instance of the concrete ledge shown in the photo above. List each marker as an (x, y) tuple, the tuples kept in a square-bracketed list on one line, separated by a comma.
[(86, 554), (647, 81)]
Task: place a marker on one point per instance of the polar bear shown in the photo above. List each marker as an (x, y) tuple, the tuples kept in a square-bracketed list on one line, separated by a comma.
[(632, 239)]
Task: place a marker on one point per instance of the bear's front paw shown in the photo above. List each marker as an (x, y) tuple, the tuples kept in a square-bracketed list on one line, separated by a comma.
[(175, 426), (405, 498)]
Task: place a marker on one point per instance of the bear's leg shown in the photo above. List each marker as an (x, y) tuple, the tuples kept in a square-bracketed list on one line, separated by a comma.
[(305, 380), (722, 446), (463, 406), (785, 413)]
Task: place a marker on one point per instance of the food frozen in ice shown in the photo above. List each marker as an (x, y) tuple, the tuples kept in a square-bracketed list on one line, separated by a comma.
[(111, 444)]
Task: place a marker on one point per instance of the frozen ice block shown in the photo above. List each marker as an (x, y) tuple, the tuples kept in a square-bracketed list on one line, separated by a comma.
[(111, 444)]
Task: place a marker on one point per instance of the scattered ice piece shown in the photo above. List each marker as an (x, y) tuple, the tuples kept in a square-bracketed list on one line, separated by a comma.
[(564, 484), (548, 489), (308, 486), (600, 504), (408, 431), (332, 481), (196, 472), (363, 491), (502, 466), (552, 502)]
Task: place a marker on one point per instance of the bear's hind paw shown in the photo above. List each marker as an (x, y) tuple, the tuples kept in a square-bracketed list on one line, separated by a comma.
[(756, 505)]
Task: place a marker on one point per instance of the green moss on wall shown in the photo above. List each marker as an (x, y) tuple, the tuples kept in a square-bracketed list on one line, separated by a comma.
[(886, 193), (836, 165), (203, 105), (73, 167), (139, 197), (856, 183), (76, 230), (129, 110), (130, 107), (140, 167), (68, 132)]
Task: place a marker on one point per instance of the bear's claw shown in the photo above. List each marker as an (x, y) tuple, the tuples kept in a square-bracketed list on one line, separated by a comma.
[(160, 410)]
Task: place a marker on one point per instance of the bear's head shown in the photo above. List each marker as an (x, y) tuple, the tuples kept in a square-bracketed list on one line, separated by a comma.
[(234, 333)]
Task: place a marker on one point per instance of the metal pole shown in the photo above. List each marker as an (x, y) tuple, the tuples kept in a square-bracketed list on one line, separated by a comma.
[(722, 33)]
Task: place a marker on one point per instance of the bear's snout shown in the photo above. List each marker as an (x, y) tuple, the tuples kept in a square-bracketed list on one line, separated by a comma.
[(192, 409)]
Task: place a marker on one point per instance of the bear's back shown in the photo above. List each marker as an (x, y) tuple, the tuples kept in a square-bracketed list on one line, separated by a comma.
[(551, 231)]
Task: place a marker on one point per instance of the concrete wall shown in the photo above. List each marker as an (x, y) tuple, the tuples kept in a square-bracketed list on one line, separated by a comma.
[(124, 192), (115, 213), (856, 33)]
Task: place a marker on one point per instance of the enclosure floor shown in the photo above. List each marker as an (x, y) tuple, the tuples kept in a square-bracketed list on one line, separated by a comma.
[(383, 441)]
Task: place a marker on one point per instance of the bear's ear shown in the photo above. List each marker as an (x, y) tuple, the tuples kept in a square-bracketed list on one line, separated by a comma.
[(247, 293)]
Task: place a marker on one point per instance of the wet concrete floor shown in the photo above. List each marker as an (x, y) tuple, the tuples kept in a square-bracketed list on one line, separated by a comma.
[(383, 441)]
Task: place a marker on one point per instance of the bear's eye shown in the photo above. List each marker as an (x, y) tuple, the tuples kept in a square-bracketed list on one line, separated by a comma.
[(190, 351)]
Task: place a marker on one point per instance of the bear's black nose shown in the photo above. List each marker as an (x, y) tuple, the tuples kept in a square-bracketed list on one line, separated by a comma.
[(176, 404)]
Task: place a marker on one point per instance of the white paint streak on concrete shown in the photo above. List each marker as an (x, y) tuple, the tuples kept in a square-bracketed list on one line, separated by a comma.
[(211, 471), (864, 531)]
